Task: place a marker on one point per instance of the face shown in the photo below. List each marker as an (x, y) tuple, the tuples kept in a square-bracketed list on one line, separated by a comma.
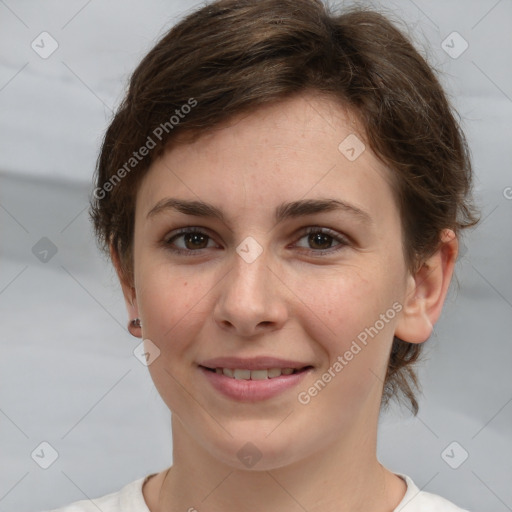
[(293, 261)]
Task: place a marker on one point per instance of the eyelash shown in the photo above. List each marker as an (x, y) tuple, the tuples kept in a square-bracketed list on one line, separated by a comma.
[(342, 241)]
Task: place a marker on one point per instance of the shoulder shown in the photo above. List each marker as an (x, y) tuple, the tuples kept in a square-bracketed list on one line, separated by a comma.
[(416, 500), (129, 499)]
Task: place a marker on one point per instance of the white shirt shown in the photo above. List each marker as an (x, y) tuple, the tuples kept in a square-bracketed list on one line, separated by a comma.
[(131, 499)]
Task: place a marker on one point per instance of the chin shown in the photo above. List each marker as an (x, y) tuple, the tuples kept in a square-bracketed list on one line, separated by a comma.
[(257, 451)]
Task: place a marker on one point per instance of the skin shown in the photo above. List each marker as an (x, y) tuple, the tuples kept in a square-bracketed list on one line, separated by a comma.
[(298, 300)]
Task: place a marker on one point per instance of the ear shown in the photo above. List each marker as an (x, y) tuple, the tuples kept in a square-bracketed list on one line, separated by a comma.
[(426, 292), (130, 297)]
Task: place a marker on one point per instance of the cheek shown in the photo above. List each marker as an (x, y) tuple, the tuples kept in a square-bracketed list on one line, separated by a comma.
[(340, 304), (342, 313), (173, 314), (170, 303)]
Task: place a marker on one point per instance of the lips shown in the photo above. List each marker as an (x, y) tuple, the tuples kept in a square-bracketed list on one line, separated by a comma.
[(250, 380)]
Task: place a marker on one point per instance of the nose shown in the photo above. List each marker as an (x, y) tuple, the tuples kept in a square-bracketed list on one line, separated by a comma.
[(252, 299)]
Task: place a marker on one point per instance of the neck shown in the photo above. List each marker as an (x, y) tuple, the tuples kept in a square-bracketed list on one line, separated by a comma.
[(343, 477)]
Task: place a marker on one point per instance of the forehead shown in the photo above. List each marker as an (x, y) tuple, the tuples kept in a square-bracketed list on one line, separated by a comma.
[(303, 147)]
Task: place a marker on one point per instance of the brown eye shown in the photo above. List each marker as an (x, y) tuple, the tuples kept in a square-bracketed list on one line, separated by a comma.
[(195, 240), (189, 240), (320, 240)]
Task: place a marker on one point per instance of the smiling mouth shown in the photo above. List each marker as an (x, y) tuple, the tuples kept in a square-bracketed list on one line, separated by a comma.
[(263, 374)]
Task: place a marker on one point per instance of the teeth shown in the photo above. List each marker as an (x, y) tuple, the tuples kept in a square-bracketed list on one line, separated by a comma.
[(244, 374), (259, 374), (227, 372)]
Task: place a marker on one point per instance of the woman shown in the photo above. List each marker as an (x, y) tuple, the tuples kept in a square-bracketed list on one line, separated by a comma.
[(281, 192)]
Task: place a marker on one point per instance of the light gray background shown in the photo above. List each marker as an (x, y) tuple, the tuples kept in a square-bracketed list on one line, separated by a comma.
[(68, 374)]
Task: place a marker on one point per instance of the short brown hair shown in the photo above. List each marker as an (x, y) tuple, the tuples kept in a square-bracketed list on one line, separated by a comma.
[(232, 56)]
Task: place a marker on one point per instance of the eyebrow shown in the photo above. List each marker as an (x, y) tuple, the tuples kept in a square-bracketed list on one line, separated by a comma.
[(283, 212)]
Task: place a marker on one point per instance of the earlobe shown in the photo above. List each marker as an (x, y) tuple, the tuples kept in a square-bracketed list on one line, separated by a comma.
[(130, 296), (426, 292)]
